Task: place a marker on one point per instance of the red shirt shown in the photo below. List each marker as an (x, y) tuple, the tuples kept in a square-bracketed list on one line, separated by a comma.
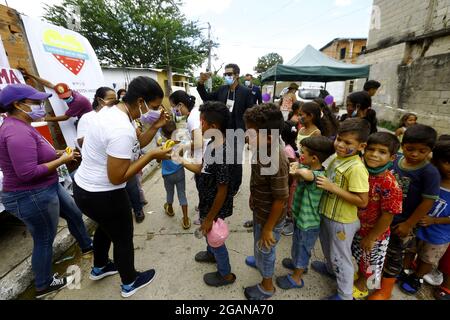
[(385, 195)]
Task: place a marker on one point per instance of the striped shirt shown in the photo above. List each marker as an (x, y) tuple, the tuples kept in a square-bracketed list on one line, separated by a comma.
[(265, 189), (305, 207), (349, 174)]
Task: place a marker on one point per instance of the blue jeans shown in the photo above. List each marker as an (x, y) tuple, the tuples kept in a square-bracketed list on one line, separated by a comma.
[(39, 210), (177, 179), (265, 258), (222, 259), (303, 243), (70, 212), (134, 194)]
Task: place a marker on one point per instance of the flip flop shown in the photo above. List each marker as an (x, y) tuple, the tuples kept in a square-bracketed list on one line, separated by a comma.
[(359, 295), (166, 209), (186, 226)]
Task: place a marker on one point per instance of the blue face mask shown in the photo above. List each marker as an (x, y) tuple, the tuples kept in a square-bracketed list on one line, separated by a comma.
[(355, 113), (229, 80), (68, 100)]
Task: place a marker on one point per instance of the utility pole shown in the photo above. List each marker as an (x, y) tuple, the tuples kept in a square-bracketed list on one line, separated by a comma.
[(209, 82), (169, 69)]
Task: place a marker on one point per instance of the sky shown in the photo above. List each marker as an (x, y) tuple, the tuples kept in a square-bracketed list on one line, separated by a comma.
[(249, 29)]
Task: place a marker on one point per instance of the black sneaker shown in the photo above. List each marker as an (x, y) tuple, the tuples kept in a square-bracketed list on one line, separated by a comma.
[(216, 280), (87, 251), (100, 273), (143, 279), (205, 257), (56, 285), (140, 217), (411, 285)]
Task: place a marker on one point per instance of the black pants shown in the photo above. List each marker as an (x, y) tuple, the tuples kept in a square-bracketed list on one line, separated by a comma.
[(111, 210), (393, 265)]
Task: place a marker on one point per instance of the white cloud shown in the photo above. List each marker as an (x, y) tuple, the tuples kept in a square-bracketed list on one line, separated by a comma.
[(31, 8), (343, 3), (195, 8)]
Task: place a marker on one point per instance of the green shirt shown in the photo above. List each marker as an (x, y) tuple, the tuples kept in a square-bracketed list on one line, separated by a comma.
[(305, 207)]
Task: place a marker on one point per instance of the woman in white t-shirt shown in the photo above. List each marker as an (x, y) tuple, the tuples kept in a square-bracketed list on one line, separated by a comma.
[(99, 188)]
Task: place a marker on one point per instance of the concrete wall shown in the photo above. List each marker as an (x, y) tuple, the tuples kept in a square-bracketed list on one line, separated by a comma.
[(410, 55), (406, 18), (121, 78)]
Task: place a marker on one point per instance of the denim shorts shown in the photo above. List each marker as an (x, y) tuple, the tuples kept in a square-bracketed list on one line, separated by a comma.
[(303, 243)]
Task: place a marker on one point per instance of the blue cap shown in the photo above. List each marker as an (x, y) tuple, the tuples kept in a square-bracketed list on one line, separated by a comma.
[(18, 92)]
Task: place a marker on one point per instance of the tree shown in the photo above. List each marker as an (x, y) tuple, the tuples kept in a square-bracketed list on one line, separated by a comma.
[(144, 33), (268, 61)]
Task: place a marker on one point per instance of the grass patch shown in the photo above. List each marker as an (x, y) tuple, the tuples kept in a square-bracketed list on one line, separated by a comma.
[(387, 125)]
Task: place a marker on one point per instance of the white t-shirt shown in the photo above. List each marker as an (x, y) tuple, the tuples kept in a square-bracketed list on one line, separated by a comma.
[(111, 134), (85, 123), (193, 121)]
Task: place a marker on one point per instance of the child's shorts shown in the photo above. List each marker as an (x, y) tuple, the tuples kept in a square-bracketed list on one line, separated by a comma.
[(303, 243), (428, 252), (370, 264)]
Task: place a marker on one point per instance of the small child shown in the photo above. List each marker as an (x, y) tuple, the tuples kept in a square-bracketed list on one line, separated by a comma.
[(433, 236), (174, 176), (269, 193), (420, 182), (348, 189), (315, 151), (407, 121), (385, 201), (215, 188)]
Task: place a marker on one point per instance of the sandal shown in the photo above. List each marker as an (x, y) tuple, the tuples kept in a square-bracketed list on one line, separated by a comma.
[(166, 209), (186, 226), (258, 293), (359, 295), (287, 282), (442, 294)]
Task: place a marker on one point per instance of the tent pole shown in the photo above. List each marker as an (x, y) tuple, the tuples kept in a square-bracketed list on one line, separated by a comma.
[(274, 90), (326, 85)]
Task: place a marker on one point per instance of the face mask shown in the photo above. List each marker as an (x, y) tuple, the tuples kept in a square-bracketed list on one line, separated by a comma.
[(68, 100), (229, 80), (37, 111), (354, 114), (248, 83), (151, 116)]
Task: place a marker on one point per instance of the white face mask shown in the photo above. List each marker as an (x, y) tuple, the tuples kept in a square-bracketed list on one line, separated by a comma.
[(248, 83)]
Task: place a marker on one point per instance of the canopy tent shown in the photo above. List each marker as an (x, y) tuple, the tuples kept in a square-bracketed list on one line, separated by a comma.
[(312, 65)]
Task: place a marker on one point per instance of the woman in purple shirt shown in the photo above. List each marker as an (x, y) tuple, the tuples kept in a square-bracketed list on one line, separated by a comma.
[(31, 191)]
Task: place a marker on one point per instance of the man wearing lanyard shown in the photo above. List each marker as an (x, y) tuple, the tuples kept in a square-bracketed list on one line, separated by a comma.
[(238, 99), (256, 91)]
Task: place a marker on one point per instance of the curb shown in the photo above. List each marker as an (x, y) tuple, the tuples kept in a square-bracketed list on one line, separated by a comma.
[(21, 277)]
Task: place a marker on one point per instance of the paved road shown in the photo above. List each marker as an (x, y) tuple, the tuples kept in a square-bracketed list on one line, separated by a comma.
[(161, 243)]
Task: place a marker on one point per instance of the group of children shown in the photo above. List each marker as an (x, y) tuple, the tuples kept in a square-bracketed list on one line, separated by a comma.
[(371, 203)]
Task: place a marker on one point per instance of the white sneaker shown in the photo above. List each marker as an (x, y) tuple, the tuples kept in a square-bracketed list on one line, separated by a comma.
[(434, 278)]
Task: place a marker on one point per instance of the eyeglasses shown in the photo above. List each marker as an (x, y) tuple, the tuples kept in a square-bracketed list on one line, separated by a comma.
[(228, 74)]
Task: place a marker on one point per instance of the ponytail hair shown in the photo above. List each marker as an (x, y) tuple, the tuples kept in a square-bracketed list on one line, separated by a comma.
[(182, 97), (329, 122), (100, 94)]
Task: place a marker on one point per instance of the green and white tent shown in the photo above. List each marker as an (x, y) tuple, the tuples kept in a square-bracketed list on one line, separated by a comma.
[(314, 66)]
